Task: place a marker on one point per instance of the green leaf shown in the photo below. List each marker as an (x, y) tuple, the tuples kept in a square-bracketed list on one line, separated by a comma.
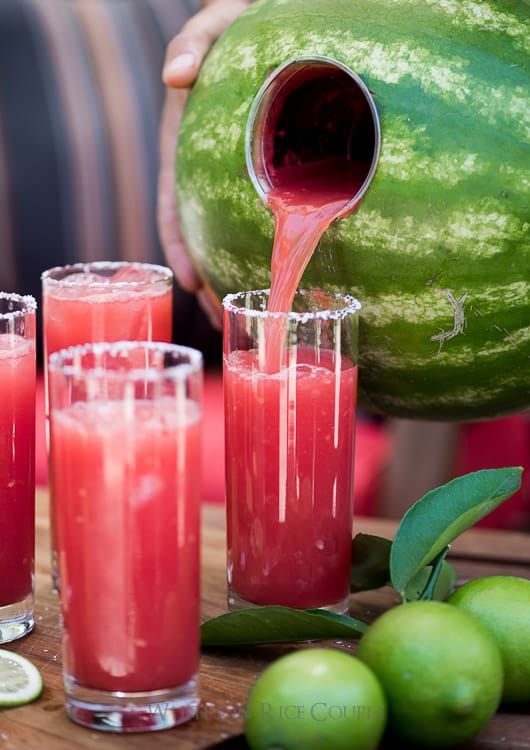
[(442, 514), (370, 562), (275, 624)]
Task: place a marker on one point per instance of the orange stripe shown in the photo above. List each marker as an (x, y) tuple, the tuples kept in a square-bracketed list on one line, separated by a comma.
[(70, 65), (124, 133)]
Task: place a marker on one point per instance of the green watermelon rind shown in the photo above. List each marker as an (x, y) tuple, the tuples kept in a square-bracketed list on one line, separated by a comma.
[(446, 219)]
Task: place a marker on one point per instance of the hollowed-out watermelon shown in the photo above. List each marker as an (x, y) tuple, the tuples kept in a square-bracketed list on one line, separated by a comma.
[(438, 251)]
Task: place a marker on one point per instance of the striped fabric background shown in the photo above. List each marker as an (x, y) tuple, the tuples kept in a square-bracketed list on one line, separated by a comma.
[(80, 99)]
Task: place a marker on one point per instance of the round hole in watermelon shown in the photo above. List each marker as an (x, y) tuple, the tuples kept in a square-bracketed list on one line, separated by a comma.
[(311, 110)]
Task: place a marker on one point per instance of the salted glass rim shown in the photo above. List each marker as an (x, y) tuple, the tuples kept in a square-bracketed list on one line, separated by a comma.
[(177, 372), (351, 305), (27, 302), (49, 275)]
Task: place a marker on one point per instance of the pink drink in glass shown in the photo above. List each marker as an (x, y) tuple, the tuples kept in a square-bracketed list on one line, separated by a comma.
[(103, 301), (126, 485), (290, 534), (17, 464), (289, 451), (118, 546), (106, 301)]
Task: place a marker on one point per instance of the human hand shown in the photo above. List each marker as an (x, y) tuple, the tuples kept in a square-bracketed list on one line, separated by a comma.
[(184, 56)]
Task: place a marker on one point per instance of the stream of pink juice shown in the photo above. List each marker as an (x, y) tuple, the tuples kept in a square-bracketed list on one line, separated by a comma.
[(290, 503), (306, 200), (17, 466)]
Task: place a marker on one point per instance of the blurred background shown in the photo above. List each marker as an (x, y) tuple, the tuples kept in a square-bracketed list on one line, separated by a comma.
[(80, 102)]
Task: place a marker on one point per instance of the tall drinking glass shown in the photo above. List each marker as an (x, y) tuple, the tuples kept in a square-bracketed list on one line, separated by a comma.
[(103, 301), (17, 465), (290, 383), (125, 423)]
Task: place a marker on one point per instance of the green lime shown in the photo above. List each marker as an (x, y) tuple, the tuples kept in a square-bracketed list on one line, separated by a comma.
[(502, 604), (20, 680), (315, 699), (440, 669)]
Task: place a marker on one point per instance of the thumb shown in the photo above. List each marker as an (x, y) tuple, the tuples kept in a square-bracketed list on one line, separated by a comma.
[(187, 50)]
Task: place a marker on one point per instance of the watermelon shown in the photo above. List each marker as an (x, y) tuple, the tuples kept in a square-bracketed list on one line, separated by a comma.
[(438, 251)]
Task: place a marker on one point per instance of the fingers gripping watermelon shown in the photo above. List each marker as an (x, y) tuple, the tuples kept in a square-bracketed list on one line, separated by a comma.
[(438, 251)]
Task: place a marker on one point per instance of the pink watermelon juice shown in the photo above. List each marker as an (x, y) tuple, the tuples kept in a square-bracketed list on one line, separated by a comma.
[(290, 479), (106, 302), (303, 210), (17, 467), (103, 301), (126, 487), (306, 199)]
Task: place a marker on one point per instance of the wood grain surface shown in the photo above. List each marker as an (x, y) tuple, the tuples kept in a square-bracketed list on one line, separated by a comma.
[(227, 677)]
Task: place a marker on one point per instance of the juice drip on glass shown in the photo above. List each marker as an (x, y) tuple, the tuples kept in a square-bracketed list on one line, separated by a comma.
[(306, 199)]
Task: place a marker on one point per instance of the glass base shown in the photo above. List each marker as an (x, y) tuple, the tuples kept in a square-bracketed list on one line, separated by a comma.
[(17, 619), (235, 602), (131, 712)]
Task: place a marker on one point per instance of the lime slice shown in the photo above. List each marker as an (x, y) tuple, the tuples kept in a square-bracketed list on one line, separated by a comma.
[(20, 680)]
